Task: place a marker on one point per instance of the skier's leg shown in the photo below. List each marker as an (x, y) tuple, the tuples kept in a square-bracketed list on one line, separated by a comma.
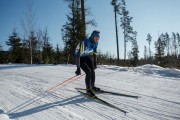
[(87, 70), (91, 67)]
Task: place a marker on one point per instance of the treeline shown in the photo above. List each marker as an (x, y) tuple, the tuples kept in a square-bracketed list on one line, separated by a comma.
[(34, 46), (167, 50), (43, 51), (20, 49)]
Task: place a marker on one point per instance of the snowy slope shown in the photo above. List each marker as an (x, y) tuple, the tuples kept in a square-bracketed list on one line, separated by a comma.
[(24, 95)]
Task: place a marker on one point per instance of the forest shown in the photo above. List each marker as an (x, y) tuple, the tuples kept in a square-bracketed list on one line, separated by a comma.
[(34, 47)]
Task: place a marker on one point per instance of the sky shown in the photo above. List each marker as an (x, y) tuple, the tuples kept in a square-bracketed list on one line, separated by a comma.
[(149, 16)]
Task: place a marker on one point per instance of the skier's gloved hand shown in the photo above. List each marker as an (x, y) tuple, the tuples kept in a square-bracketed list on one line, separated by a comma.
[(95, 65), (78, 71)]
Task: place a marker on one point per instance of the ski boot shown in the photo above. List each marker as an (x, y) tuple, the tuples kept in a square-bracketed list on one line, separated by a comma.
[(90, 93), (96, 89)]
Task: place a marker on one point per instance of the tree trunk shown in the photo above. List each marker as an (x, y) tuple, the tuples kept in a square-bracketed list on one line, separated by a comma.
[(117, 41), (83, 20)]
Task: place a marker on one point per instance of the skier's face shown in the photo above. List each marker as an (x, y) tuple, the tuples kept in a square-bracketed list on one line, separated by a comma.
[(96, 39)]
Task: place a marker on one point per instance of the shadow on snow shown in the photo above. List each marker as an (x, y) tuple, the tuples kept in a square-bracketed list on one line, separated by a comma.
[(72, 100)]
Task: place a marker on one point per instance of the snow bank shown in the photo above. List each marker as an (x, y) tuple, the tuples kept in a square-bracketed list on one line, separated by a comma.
[(113, 67), (158, 71)]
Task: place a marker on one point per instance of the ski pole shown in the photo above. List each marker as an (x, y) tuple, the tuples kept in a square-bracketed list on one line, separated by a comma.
[(64, 82), (76, 78)]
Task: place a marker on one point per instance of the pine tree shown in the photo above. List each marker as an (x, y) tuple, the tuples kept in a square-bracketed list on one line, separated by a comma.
[(73, 31), (47, 53), (174, 44), (125, 24), (160, 46), (15, 47), (178, 39), (167, 40), (135, 50), (116, 6), (58, 58), (145, 52)]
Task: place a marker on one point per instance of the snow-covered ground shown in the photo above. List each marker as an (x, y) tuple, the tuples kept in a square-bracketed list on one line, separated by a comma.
[(24, 93)]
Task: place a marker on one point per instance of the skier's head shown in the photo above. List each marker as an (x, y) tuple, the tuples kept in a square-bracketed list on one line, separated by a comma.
[(94, 38)]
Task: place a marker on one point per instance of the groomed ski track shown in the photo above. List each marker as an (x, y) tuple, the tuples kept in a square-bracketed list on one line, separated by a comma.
[(24, 96)]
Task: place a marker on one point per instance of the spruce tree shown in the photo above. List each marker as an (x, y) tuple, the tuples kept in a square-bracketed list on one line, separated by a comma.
[(15, 49), (160, 46), (74, 29), (47, 53), (135, 50)]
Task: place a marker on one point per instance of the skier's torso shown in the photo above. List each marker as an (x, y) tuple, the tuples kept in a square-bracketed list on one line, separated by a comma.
[(85, 48)]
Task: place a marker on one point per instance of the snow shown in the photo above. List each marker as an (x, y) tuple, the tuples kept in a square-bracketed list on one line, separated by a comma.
[(25, 96)]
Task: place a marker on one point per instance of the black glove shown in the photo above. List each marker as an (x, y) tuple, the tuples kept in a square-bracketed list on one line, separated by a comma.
[(95, 65), (78, 71)]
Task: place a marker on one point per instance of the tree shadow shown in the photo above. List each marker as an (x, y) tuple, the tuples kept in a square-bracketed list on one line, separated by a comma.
[(72, 100), (12, 66)]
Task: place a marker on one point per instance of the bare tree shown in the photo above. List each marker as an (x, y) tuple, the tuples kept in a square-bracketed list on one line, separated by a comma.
[(28, 25)]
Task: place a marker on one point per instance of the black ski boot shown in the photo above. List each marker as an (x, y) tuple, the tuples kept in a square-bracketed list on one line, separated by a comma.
[(90, 93), (96, 89)]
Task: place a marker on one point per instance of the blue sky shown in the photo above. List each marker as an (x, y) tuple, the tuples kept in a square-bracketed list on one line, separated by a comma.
[(149, 16)]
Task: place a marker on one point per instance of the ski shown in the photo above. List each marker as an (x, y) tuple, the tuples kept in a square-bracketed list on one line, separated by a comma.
[(113, 93), (97, 99)]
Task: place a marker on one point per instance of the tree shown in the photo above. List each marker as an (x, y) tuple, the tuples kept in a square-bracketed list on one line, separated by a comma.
[(73, 31), (15, 47), (39, 38), (145, 52), (174, 43), (116, 12), (47, 53), (29, 27), (125, 24), (159, 46), (1, 48), (83, 19), (58, 57), (178, 39), (135, 50), (167, 40), (149, 39)]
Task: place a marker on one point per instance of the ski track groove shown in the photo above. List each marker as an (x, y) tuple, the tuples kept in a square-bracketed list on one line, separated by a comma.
[(90, 108), (14, 115), (140, 107), (149, 106), (104, 108)]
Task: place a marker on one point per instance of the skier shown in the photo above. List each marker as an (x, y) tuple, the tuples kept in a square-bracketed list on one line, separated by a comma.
[(83, 61)]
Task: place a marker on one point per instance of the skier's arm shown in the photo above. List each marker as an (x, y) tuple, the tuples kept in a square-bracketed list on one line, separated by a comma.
[(77, 59)]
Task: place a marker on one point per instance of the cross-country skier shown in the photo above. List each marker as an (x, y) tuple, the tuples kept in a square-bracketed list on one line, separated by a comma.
[(83, 61)]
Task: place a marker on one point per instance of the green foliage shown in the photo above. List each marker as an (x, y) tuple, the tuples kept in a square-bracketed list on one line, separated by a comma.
[(15, 48)]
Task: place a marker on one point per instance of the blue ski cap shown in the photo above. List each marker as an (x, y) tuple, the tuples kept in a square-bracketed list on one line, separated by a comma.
[(95, 33)]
